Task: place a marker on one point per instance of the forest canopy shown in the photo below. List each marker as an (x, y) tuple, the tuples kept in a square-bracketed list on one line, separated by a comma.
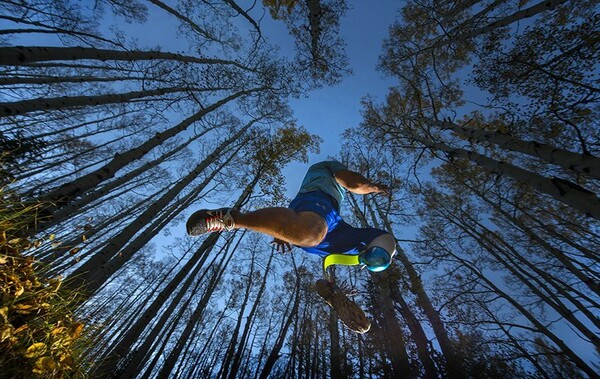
[(488, 137)]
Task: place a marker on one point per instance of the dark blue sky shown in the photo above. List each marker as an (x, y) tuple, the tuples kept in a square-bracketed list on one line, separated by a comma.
[(326, 112), (329, 111)]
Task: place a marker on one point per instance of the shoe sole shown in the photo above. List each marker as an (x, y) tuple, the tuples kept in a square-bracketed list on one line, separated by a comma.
[(347, 311)]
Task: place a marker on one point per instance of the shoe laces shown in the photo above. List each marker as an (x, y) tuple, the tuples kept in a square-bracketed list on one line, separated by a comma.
[(221, 221)]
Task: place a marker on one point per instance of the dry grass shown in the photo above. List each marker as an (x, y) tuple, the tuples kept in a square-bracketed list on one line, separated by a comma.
[(38, 334)]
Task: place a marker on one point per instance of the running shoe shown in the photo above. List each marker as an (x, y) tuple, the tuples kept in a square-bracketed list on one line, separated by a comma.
[(347, 311), (209, 220)]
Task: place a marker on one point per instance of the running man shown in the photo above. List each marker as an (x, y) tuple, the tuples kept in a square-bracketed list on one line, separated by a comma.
[(312, 222)]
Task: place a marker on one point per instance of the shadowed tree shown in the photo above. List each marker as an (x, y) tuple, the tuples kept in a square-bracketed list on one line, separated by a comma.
[(314, 25)]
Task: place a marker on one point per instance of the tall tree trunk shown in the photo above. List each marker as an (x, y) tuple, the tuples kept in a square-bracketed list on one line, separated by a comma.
[(67, 211), (560, 189), (391, 330), (417, 333), (453, 364), (274, 353), (238, 356), (20, 56), (8, 81), (457, 35), (580, 363), (123, 347), (195, 319), (67, 192), (104, 263), (65, 102), (530, 233), (580, 163), (224, 370), (536, 286), (335, 351)]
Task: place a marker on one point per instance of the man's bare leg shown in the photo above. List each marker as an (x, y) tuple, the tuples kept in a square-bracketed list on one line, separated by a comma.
[(298, 228)]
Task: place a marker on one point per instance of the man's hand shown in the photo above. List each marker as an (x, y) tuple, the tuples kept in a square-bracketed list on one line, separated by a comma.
[(358, 184), (381, 188), (282, 245)]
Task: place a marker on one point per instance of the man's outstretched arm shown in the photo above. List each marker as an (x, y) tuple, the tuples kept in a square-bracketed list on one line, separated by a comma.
[(358, 184)]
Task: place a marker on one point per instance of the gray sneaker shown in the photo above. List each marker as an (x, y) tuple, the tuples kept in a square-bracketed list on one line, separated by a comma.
[(208, 221), (350, 313)]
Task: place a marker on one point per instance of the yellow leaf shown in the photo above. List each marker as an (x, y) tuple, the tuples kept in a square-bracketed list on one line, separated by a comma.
[(3, 259), (19, 290), (14, 241), (36, 349), (4, 314), (67, 360), (51, 237), (6, 332), (44, 365), (83, 237), (21, 328), (24, 309), (54, 284), (76, 329)]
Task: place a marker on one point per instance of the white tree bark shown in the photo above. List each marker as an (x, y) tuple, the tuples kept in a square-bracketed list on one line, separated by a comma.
[(22, 55), (64, 102), (580, 163), (459, 35), (66, 211), (95, 271), (65, 193), (562, 190)]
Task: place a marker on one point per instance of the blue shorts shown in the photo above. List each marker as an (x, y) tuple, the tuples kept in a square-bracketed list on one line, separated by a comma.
[(341, 237)]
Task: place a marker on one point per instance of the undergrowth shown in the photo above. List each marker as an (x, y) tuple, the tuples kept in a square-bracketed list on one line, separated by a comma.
[(39, 337)]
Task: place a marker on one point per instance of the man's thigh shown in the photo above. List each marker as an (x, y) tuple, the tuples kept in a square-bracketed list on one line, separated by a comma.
[(316, 203), (346, 239)]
